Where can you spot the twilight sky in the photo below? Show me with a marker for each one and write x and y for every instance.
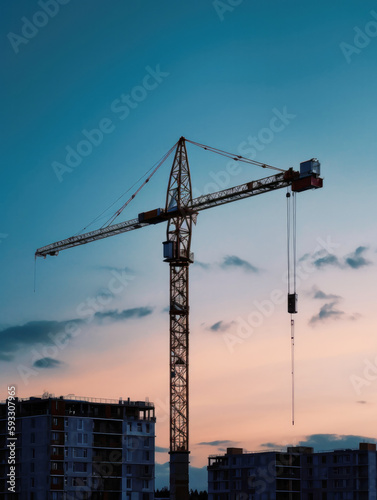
(94, 94)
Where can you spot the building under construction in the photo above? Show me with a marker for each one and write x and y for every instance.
(70, 448)
(298, 473)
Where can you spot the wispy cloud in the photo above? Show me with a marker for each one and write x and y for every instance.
(217, 443)
(18, 338)
(318, 294)
(160, 449)
(15, 338)
(220, 326)
(327, 311)
(356, 259)
(116, 269)
(231, 261)
(47, 363)
(326, 442)
(324, 259)
(203, 265)
(137, 312)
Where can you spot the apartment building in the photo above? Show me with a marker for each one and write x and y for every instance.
(70, 448)
(297, 473)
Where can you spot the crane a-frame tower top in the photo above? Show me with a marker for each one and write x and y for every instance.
(180, 212)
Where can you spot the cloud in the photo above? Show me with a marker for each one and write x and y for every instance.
(203, 265)
(326, 442)
(220, 326)
(47, 363)
(356, 260)
(234, 261)
(137, 312)
(318, 294)
(116, 269)
(326, 260)
(272, 446)
(17, 338)
(323, 259)
(217, 443)
(160, 449)
(327, 311)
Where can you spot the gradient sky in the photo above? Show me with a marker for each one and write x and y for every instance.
(216, 72)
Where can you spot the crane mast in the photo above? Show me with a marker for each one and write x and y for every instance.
(177, 253)
(180, 213)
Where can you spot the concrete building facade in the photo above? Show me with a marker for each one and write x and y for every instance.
(70, 448)
(298, 473)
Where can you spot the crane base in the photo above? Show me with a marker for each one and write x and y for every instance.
(179, 475)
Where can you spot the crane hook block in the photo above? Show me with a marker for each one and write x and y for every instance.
(292, 303)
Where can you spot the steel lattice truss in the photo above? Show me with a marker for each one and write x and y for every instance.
(179, 234)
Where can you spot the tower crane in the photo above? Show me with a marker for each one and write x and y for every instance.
(180, 213)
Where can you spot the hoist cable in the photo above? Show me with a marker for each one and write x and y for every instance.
(294, 241)
(293, 367)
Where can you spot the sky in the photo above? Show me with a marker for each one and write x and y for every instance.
(94, 94)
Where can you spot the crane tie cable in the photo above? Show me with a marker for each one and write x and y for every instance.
(235, 157)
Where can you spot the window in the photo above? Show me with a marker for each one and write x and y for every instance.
(129, 484)
(79, 423)
(146, 442)
(66, 421)
(32, 437)
(128, 470)
(55, 421)
(129, 425)
(145, 484)
(146, 455)
(33, 453)
(82, 438)
(55, 480)
(139, 427)
(66, 452)
(33, 423)
(31, 466)
(147, 428)
(32, 482)
(79, 481)
(80, 452)
(54, 465)
(79, 466)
